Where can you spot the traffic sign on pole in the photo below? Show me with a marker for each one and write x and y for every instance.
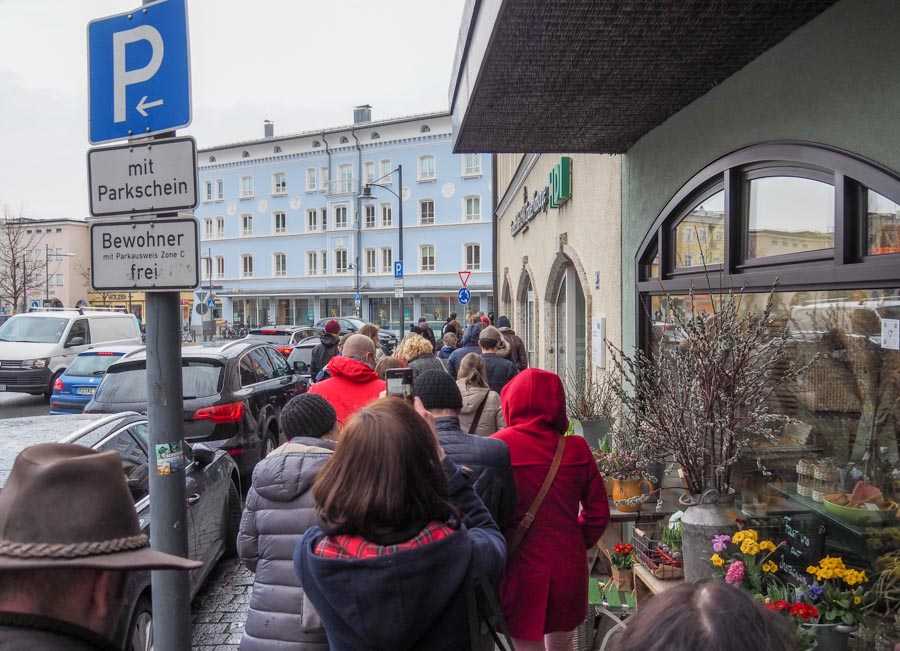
(154, 177)
(464, 277)
(398, 268)
(463, 295)
(139, 72)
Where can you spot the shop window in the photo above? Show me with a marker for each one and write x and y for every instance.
(882, 225)
(789, 214)
(696, 241)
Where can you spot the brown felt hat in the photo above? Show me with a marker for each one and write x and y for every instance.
(67, 505)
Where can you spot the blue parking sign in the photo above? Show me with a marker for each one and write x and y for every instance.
(139, 72)
(398, 269)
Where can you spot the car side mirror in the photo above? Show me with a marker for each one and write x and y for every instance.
(75, 341)
(203, 454)
(301, 368)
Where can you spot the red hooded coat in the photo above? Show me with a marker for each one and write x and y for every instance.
(351, 387)
(545, 585)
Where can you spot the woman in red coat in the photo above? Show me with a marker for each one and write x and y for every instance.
(544, 590)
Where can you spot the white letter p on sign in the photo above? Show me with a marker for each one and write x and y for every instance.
(123, 78)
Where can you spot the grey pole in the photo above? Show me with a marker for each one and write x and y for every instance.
(46, 274)
(168, 517)
(400, 244)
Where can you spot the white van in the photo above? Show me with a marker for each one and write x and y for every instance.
(36, 347)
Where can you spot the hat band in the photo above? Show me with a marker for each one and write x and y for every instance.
(71, 550)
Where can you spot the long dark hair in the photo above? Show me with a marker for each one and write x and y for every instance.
(711, 616)
(385, 482)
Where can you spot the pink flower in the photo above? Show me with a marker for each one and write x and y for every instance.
(720, 543)
(735, 573)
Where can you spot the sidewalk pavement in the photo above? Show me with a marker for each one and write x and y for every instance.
(220, 609)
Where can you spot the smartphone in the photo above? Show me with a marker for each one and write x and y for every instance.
(400, 383)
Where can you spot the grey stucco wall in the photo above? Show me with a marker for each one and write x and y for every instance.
(834, 81)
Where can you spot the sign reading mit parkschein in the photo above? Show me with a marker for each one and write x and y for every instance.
(160, 254)
(153, 177)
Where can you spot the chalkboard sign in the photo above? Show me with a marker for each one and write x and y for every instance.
(804, 538)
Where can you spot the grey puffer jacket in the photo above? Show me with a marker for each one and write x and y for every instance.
(280, 508)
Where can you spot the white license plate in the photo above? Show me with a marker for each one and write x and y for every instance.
(2, 387)
(85, 391)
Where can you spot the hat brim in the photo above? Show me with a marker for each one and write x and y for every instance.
(135, 559)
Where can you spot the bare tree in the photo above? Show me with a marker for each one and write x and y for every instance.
(21, 267)
(84, 271)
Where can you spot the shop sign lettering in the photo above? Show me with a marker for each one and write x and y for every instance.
(556, 193)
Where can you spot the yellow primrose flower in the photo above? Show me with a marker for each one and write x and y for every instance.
(767, 546)
(812, 569)
(749, 547)
(826, 574)
(738, 537)
(751, 534)
(857, 600)
(769, 567)
(717, 560)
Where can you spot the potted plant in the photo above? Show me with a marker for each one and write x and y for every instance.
(622, 560)
(702, 398)
(841, 599)
(745, 561)
(591, 403)
(624, 482)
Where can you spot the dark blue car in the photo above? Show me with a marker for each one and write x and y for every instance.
(75, 388)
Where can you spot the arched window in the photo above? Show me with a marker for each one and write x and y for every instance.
(527, 314)
(212, 159)
(276, 149)
(375, 135)
(822, 227)
(569, 342)
(425, 128)
(245, 154)
(316, 144)
(344, 140)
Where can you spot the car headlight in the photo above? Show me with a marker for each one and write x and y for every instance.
(35, 363)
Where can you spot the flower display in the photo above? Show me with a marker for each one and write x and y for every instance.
(720, 543)
(749, 547)
(804, 611)
(623, 556)
(838, 590)
(769, 567)
(744, 534)
(735, 573)
(717, 560)
(778, 606)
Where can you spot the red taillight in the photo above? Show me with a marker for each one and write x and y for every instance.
(235, 452)
(233, 412)
(105, 353)
(269, 332)
(58, 385)
(285, 350)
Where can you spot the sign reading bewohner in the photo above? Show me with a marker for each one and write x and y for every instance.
(151, 177)
(160, 254)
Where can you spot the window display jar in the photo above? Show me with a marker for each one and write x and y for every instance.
(825, 480)
(805, 477)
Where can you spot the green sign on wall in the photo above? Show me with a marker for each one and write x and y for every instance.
(561, 182)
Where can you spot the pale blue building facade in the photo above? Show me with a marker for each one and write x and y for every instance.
(288, 235)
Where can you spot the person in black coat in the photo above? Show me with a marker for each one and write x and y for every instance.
(487, 459)
(328, 348)
(425, 330)
(499, 369)
(469, 344)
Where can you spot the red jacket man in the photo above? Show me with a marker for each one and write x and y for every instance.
(353, 383)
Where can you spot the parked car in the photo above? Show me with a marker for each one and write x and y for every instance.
(74, 389)
(283, 337)
(302, 354)
(212, 481)
(351, 324)
(233, 395)
(37, 347)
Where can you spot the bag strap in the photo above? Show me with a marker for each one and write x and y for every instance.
(478, 412)
(519, 534)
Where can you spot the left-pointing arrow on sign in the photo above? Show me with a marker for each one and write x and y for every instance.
(144, 104)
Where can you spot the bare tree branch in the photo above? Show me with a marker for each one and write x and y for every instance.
(21, 263)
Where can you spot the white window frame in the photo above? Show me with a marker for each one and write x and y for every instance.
(467, 265)
(324, 179)
(220, 228)
(312, 174)
(275, 228)
(246, 218)
(370, 207)
(279, 186)
(247, 192)
(323, 255)
(208, 228)
(275, 259)
(312, 263)
(336, 210)
(465, 206)
(369, 171)
(471, 171)
(220, 266)
(345, 178)
(312, 225)
(209, 191)
(390, 214)
(422, 203)
(387, 260)
(386, 176)
(371, 261)
(338, 253)
(423, 267)
(420, 176)
(244, 258)
(220, 189)
(205, 268)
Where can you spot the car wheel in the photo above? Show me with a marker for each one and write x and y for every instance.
(53, 380)
(233, 512)
(140, 631)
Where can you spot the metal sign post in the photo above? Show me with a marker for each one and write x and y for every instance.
(139, 79)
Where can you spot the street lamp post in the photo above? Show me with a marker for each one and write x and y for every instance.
(367, 194)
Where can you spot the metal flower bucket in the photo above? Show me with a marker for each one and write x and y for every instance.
(706, 515)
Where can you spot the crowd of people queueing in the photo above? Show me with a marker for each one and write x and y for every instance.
(375, 525)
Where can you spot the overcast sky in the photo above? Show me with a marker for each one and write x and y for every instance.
(302, 63)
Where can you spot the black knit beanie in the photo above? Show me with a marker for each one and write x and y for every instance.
(437, 390)
(307, 415)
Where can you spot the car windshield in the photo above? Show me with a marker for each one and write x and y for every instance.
(356, 323)
(32, 330)
(88, 365)
(271, 336)
(128, 384)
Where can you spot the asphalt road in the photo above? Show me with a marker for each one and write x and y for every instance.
(13, 405)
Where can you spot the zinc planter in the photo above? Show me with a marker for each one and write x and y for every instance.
(831, 637)
(706, 516)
